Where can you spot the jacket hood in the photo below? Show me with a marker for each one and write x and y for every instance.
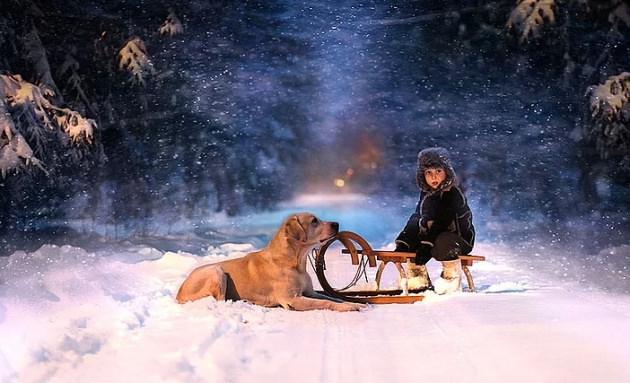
(434, 158)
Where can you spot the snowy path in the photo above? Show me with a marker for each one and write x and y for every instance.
(68, 315)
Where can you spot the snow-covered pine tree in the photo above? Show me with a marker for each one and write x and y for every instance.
(27, 115)
(530, 16)
(133, 57)
(171, 26)
(590, 38)
(608, 124)
(528, 19)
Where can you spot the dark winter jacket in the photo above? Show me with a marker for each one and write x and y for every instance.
(445, 206)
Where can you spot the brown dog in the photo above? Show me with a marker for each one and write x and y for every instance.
(273, 276)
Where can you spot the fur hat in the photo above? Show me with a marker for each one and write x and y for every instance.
(435, 158)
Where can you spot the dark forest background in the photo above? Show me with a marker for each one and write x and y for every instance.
(254, 101)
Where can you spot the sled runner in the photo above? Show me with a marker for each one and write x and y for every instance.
(362, 255)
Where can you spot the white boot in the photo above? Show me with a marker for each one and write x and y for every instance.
(451, 278)
(417, 277)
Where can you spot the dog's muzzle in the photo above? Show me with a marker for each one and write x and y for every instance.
(335, 227)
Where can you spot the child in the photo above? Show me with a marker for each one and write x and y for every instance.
(441, 226)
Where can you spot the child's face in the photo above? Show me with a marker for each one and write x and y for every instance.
(434, 177)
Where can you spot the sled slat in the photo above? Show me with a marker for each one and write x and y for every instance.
(367, 293)
(399, 299)
(400, 256)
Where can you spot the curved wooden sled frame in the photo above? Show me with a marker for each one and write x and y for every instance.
(348, 239)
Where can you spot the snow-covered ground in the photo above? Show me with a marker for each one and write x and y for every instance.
(72, 315)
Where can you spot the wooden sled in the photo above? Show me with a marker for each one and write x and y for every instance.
(364, 256)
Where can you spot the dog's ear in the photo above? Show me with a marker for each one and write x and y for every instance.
(295, 230)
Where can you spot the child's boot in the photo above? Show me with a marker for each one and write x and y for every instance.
(417, 277)
(450, 279)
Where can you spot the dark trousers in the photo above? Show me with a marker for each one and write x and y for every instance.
(447, 247)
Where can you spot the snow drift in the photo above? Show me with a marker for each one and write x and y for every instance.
(71, 315)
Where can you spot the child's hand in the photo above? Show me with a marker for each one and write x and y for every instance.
(423, 254)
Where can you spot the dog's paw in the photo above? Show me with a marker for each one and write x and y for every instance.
(349, 306)
(352, 307)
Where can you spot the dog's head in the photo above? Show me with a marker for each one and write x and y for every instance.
(306, 229)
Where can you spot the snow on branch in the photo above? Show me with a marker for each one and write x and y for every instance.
(25, 108)
(529, 17)
(610, 117)
(133, 57)
(13, 146)
(13, 151)
(75, 125)
(19, 93)
(171, 26)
